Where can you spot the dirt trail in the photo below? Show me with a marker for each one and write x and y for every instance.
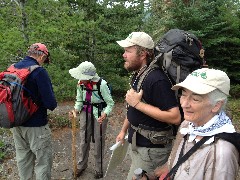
(62, 148)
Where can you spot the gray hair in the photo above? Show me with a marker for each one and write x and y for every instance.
(35, 53)
(216, 96)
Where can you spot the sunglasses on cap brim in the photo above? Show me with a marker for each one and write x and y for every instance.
(47, 60)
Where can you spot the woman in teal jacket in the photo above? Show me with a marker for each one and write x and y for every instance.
(94, 109)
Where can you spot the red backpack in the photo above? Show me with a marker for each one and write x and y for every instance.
(16, 106)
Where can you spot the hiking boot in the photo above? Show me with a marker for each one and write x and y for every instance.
(98, 175)
(79, 172)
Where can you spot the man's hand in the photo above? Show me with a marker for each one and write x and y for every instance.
(120, 137)
(133, 98)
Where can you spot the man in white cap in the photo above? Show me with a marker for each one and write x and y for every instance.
(33, 138)
(94, 109)
(203, 99)
(150, 116)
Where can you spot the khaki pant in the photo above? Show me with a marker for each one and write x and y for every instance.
(147, 159)
(85, 147)
(33, 152)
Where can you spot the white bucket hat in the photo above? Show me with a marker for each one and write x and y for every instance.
(137, 38)
(85, 71)
(203, 81)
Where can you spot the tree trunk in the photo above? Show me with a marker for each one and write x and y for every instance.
(24, 21)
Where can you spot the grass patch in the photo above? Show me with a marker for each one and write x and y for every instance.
(234, 107)
(2, 153)
(58, 121)
(2, 146)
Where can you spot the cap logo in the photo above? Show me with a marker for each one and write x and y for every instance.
(89, 73)
(130, 36)
(203, 75)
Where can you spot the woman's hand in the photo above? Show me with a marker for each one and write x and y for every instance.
(161, 172)
(102, 117)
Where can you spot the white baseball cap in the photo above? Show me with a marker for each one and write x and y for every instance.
(85, 71)
(137, 38)
(203, 81)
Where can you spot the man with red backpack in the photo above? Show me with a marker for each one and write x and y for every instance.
(33, 138)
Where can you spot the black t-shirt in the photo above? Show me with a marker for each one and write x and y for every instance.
(157, 92)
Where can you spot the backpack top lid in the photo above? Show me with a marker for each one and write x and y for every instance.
(177, 37)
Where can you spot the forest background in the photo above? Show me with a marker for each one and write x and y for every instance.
(87, 30)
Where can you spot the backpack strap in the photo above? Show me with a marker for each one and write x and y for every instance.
(98, 88)
(160, 136)
(24, 77)
(182, 159)
(152, 66)
(233, 138)
(100, 107)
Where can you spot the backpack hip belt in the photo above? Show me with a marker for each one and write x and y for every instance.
(97, 105)
(162, 137)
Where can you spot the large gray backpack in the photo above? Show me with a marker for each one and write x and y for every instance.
(178, 53)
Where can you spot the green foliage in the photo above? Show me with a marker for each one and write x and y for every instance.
(79, 30)
(2, 153)
(2, 146)
(216, 23)
(235, 91)
(64, 85)
(58, 121)
(234, 105)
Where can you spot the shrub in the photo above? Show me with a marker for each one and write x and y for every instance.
(235, 91)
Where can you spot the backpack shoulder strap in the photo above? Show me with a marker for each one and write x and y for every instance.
(98, 88)
(33, 67)
(187, 155)
(233, 138)
(143, 76)
(23, 72)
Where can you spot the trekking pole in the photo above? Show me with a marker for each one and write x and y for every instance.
(101, 148)
(74, 145)
(101, 140)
